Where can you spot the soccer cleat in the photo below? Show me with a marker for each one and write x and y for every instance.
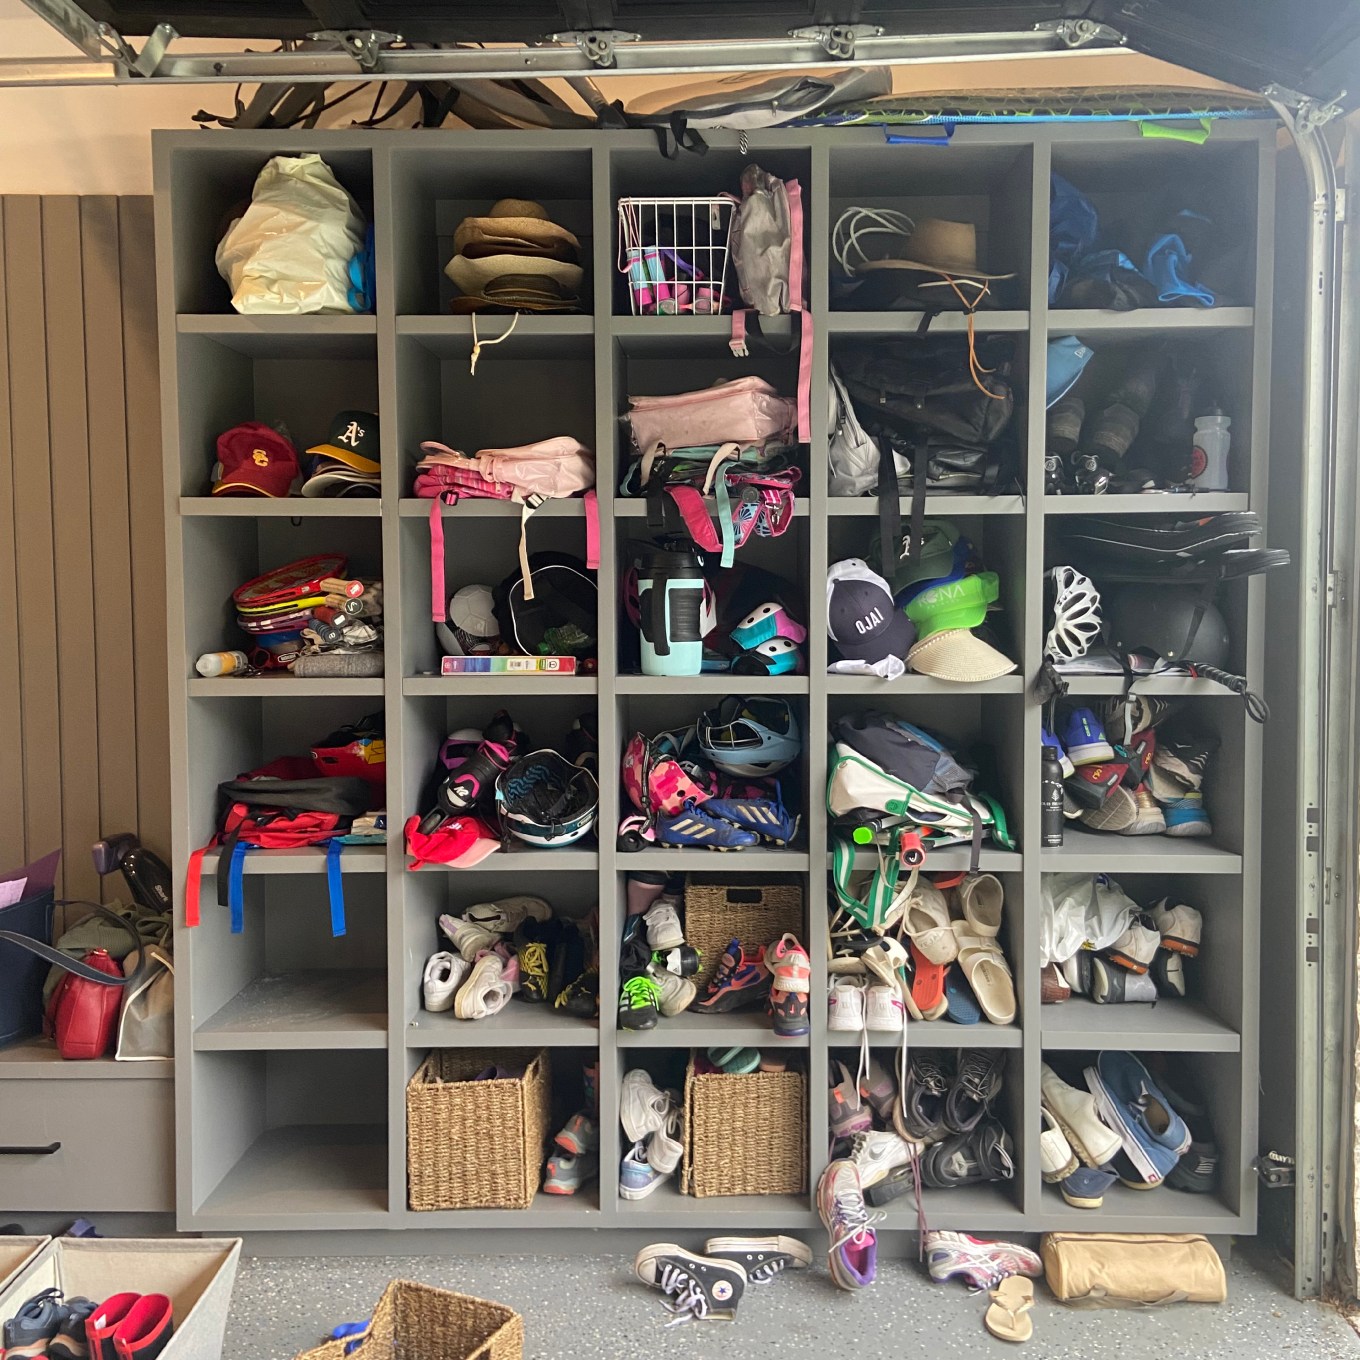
(675, 993)
(693, 826)
(533, 970)
(467, 937)
(1180, 927)
(852, 1246)
(1187, 817)
(698, 1287)
(789, 965)
(637, 1176)
(981, 1264)
(879, 1087)
(789, 1013)
(1084, 740)
(643, 1108)
(568, 1173)
(876, 1155)
(490, 984)
(566, 957)
(663, 925)
(766, 818)
(762, 1258)
(444, 974)
(737, 983)
(639, 1002)
(683, 962)
(581, 997)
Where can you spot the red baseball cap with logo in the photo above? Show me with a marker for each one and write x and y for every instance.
(255, 460)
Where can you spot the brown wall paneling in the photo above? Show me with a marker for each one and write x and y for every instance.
(81, 539)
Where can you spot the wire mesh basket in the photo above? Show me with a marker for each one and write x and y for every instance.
(673, 254)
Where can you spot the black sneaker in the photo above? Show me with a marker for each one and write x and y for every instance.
(566, 959)
(920, 1112)
(70, 1342)
(697, 1286)
(581, 997)
(33, 1326)
(639, 1002)
(974, 1088)
(762, 1258)
(900, 1181)
(985, 1154)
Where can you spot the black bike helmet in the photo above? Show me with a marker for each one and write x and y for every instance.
(1176, 622)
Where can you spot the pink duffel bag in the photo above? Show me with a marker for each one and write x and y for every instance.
(744, 411)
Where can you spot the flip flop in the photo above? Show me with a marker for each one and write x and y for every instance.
(962, 1008)
(926, 921)
(988, 974)
(927, 988)
(739, 1060)
(980, 900)
(1007, 1317)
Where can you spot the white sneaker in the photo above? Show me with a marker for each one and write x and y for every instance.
(642, 1107)
(506, 914)
(845, 1004)
(663, 925)
(878, 1154)
(467, 937)
(1135, 948)
(486, 990)
(1057, 1161)
(1180, 927)
(444, 974)
(885, 1012)
(677, 993)
(665, 1149)
(1074, 1112)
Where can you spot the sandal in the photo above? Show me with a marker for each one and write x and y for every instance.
(988, 974)
(980, 900)
(1007, 1317)
(927, 988)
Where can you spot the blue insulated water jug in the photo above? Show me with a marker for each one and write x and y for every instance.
(670, 600)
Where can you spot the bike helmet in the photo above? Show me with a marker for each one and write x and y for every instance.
(778, 656)
(1178, 623)
(953, 604)
(753, 737)
(1076, 615)
(545, 800)
(765, 623)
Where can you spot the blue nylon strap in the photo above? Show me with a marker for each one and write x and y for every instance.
(335, 886)
(236, 887)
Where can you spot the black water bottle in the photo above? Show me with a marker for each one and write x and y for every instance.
(1051, 798)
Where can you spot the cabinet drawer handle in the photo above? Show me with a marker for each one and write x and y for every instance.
(34, 1151)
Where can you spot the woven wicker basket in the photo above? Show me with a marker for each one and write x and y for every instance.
(476, 1144)
(756, 914)
(745, 1133)
(418, 1322)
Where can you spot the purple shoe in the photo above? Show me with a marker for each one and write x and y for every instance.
(852, 1253)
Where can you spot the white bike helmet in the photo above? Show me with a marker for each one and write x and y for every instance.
(753, 737)
(1076, 615)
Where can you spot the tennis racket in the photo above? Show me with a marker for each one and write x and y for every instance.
(295, 581)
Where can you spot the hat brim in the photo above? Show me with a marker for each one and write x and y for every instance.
(347, 456)
(893, 639)
(513, 302)
(531, 231)
(472, 276)
(251, 489)
(954, 269)
(959, 656)
(322, 482)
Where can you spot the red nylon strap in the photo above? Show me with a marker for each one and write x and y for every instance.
(592, 531)
(193, 884)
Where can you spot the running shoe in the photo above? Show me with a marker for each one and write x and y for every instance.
(852, 1247)
(981, 1264)
(1084, 740)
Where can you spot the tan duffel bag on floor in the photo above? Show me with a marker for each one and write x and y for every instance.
(1119, 1269)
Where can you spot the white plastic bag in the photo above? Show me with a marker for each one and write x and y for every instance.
(1081, 909)
(289, 252)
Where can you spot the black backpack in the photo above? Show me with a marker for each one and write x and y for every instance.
(561, 618)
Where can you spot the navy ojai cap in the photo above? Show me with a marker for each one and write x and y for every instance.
(861, 617)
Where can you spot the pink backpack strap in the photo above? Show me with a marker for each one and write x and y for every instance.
(592, 531)
(690, 503)
(737, 344)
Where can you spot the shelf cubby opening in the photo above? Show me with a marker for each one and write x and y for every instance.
(1138, 191)
(213, 185)
(435, 188)
(286, 982)
(290, 1137)
(987, 187)
(295, 383)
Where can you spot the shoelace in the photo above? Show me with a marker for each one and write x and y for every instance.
(853, 1221)
(533, 961)
(690, 1301)
(765, 1271)
(639, 992)
(975, 1075)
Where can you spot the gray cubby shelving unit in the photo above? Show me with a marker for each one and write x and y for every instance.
(294, 1048)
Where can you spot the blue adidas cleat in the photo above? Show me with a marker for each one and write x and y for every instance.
(766, 817)
(696, 826)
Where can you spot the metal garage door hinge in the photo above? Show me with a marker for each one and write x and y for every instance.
(837, 40)
(596, 44)
(1275, 1170)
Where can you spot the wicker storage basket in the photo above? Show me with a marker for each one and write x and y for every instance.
(745, 1133)
(756, 914)
(417, 1322)
(476, 1144)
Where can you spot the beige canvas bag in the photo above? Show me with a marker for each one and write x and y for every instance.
(1115, 1270)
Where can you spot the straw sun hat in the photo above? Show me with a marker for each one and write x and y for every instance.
(514, 239)
(939, 247)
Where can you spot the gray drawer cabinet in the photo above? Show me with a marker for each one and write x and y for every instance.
(85, 1137)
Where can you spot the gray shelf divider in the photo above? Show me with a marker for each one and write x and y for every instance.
(257, 1149)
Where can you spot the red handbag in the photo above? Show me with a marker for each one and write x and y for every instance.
(82, 1016)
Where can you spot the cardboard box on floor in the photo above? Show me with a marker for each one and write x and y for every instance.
(197, 1273)
(15, 1253)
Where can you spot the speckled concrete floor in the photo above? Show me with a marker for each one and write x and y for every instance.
(589, 1307)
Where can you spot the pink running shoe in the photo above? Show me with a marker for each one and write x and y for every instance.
(982, 1264)
(788, 961)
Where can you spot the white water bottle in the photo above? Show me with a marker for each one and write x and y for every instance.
(214, 664)
(1209, 457)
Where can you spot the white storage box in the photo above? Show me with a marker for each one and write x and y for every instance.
(15, 1253)
(198, 1274)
